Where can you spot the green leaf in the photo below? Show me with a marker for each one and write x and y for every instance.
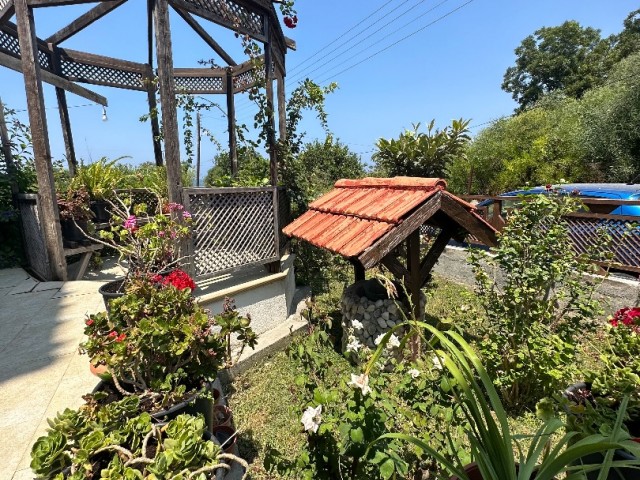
(387, 469)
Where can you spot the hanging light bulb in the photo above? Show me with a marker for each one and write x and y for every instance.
(104, 114)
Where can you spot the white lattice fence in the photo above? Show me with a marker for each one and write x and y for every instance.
(232, 227)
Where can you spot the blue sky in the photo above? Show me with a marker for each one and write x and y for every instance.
(396, 62)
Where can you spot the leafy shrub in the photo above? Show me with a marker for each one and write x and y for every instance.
(539, 306)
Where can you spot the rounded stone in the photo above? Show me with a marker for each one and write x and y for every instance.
(371, 308)
(385, 315)
(382, 323)
(379, 303)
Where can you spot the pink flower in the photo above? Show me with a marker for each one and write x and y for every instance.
(186, 214)
(130, 223)
(112, 334)
(89, 322)
(161, 233)
(174, 206)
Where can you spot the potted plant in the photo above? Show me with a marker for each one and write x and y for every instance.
(148, 242)
(493, 446)
(100, 179)
(117, 441)
(159, 343)
(75, 214)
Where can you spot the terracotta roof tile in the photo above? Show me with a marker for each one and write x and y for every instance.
(357, 213)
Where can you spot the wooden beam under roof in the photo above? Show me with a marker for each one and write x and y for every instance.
(215, 46)
(208, 15)
(57, 3)
(16, 64)
(83, 21)
(6, 12)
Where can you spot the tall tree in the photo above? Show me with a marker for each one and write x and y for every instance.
(568, 57)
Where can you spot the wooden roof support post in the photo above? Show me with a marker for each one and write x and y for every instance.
(432, 256)
(282, 108)
(65, 121)
(358, 270)
(231, 123)
(168, 99)
(40, 138)
(271, 127)
(167, 90)
(153, 119)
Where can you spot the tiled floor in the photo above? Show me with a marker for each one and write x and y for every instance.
(41, 371)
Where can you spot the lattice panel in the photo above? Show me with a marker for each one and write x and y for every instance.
(9, 44)
(82, 72)
(245, 80)
(232, 229)
(34, 247)
(200, 84)
(232, 12)
(3, 3)
(138, 196)
(625, 244)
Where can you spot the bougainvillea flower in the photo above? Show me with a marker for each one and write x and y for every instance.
(130, 223)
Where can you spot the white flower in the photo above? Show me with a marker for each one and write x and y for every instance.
(361, 382)
(357, 324)
(353, 345)
(393, 342)
(414, 373)
(379, 339)
(311, 418)
(438, 362)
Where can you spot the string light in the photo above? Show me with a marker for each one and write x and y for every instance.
(104, 114)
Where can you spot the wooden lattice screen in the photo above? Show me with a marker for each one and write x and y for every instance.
(35, 249)
(233, 227)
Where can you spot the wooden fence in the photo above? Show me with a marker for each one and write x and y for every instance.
(584, 227)
(235, 227)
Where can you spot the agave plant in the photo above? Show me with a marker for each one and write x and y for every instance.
(494, 448)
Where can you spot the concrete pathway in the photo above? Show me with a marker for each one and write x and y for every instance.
(41, 371)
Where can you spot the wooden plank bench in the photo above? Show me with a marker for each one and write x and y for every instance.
(86, 253)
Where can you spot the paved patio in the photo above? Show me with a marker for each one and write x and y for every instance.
(41, 371)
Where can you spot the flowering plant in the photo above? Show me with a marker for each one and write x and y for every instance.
(156, 338)
(620, 356)
(148, 241)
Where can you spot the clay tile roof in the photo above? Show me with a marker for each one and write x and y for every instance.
(356, 213)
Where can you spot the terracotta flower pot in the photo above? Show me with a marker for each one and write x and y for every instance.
(100, 371)
(222, 416)
(226, 436)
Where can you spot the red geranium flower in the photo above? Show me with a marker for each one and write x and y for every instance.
(112, 334)
(89, 322)
(179, 279)
(121, 337)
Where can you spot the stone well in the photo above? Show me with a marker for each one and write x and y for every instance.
(367, 303)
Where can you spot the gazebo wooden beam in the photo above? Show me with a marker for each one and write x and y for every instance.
(83, 21)
(231, 124)
(48, 77)
(7, 12)
(40, 140)
(389, 241)
(215, 46)
(207, 15)
(395, 267)
(58, 3)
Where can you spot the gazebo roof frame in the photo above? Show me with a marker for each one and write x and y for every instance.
(44, 60)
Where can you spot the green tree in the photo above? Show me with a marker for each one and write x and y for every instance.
(253, 170)
(568, 57)
(534, 147)
(422, 154)
(628, 41)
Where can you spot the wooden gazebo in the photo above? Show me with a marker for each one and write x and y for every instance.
(368, 220)
(44, 60)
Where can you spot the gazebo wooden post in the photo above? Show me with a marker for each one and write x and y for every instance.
(282, 108)
(273, 267)
(63, 109)
(168, 99)
(153, 118)
(231, 123)
(40, 138)
(151, 90)
(169, 116)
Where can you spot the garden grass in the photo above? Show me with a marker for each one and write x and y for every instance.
(267, 403)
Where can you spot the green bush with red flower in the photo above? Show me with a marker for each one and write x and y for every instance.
(150, 242)
(156, 338)
(620, 357)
